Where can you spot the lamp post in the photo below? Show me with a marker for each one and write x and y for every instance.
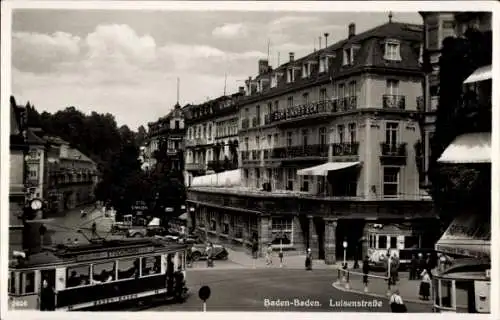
(344, 244)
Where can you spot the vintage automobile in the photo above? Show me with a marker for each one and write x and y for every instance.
(198, 249)
(152, 229)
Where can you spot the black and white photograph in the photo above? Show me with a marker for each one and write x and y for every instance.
(250, 158)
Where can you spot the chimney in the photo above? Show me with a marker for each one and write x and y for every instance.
(326, 39)
(352, 30)
(292, 56)
(263, 66)
(241, 90)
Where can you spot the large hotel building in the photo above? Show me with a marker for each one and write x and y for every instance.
(329, 151)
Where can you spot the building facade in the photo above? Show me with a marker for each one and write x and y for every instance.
(328, 143)
(17, 199)
(168, 130)
(212, 136)
(36, 165)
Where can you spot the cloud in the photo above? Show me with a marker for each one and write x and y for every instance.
(42, 52)
(230, 30)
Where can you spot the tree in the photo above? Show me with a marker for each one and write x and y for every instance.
(141, 135)
(459, 187)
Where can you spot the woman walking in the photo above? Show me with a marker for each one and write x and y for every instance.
(425, 285)
(309, 259)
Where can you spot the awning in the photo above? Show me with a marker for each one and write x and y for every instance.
(323, 169)
(469, 148)
(481, 74)
(468, 235)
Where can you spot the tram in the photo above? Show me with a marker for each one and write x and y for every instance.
(97, 275)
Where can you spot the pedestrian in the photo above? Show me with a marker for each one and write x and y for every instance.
(309, 259)
(425, 286)
(429, 264)
(209, 252)
(413, 268)
(269, 254)
(395, 268)
(366, 269)
(396, 302)
(47, 297)
(420, 263)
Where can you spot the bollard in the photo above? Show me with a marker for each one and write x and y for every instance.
(347, 284)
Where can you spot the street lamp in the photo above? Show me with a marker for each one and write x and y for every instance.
(344, 244)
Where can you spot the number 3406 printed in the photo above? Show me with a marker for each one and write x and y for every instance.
(19, 303)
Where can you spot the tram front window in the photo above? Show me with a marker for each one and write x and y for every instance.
(103, 272)
(151, 265)
(444, 295)
(27, 282)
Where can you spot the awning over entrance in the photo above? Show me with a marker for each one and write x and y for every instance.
(481, 74)
(323, 169)
(469, 148)
(468, 235)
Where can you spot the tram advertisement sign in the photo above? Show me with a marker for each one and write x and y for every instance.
(114, 253)
(115, 299)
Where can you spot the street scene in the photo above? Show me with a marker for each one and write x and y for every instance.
(294, 162)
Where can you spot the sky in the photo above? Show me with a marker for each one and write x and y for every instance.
(127, 62)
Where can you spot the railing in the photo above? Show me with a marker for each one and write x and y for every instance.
(345, 149)
(391, 101)
(196, 142)
(245, 124)
(302, 111)
(393, 149)
(194, 166)
(317, 150)
(345, 104)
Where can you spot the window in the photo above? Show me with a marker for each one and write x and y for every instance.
(290, 175)
(448, 29)
(128, 268)
(12, 282)
(289, 101)
(433, 37)
(204, 131)
(282, 231)
(391, 133)
(382, 242)
(305, 70)
(392, 50)
(276, 139)
(246, 143)
(305, 98)
(322, 136)
(150, 266)
(269, 174)
(392, 87)
(257, 142)
(353, 89)
(347, 57)
(322, 94)
(340, 132)
(274, 80)
(276, 105)
(391, 181)
(290, 75)
(269, 140)
(352, 132)
(78, 276)
(394, 243)
(210, 131)
(305, 137)
(305, 183)
(412, 242)
(257, 177)
(177, 124)
(103, 272)
(289, 139)
(27, 282)
(257, 111)
(245, 173)
(341, 92)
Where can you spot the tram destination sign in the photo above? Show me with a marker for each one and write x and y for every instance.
(114, 253)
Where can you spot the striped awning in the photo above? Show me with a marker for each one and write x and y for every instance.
(323, 169)
(481, 74)
(468, 148)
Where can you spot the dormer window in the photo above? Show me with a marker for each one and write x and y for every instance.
(290, 75)
(306, 70)
(349, 55)
(392, 50)
(274, 80)
(324, 62)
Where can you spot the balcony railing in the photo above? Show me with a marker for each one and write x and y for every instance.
(345, 149)
(302, 111)
(317, 150)
(194, 167)
(245, 124)
(196, 142)
(345, 104)
(391, 101)
(393, 149)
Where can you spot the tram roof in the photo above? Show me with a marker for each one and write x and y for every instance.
(62, 254)
(466, 268)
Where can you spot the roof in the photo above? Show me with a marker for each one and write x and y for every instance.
(32, 138)
(75, 154)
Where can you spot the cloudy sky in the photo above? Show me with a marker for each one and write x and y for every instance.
(127, 62)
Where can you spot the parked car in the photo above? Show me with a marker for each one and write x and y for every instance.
(198, 249)
(151, 230)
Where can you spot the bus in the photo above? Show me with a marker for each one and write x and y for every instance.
(97, 275)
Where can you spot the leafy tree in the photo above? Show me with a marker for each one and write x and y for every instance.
(460, 187)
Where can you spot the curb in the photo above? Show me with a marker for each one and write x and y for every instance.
(376, 295)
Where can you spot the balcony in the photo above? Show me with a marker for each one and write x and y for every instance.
(345, 104)
(297, 152)
(250, 157)
(194, 167)
(221, 165)
(196, 142)
(245, 124)
(393, 153)
(395, 102)
(345, 149)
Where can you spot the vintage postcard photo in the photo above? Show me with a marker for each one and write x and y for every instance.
(247, 160)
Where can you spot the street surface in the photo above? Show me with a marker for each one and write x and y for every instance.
(243, 289)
